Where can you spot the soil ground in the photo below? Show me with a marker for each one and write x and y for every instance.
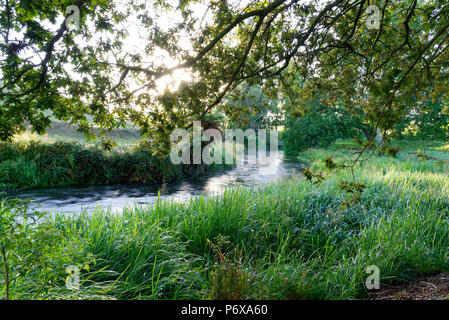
(435, 287)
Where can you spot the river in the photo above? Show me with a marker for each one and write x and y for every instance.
(73, 199)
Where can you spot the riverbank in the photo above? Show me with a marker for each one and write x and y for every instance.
(115, 197)
(37, 164)
(289, 240)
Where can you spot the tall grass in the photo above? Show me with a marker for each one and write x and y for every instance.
(289, 240)
(31, 164)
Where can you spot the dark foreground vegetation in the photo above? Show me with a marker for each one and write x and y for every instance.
(290, 240)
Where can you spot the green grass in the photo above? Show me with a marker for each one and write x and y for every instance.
(290, 240)
(345, 150)
(63, 157)
(36, 164)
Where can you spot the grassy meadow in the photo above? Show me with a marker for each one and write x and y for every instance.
(289, 240)
(60, 131)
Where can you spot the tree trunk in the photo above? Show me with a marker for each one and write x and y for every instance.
(379, 141)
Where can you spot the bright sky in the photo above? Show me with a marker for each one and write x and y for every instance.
(165, 20)
(136, 40)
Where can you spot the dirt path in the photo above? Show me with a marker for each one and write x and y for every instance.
(434, 287)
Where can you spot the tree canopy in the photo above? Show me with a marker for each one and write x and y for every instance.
(104, 69)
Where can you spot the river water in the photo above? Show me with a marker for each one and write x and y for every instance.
(73, 199)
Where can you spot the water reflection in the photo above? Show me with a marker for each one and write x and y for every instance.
(246, 173)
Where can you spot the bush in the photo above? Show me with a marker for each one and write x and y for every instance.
(36, 164)
(428, 123)
(319, 127)
(34, 254)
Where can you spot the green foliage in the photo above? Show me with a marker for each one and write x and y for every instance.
(351, 187)
(420, 154)
(330, 164)
(37, 164)
(289, 240)
(70, 74)
(136, 256)
(286, 240)
(34, 254)
(248, 107)
(310, 176)
(426, 121)
(355, 189)
(229, 279)
(391, 151)
(385, 147)
(446, 148)
(317, 126)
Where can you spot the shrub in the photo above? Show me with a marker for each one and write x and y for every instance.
(34, 254)
(429, 123)
(36, 164)
(318, 127)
